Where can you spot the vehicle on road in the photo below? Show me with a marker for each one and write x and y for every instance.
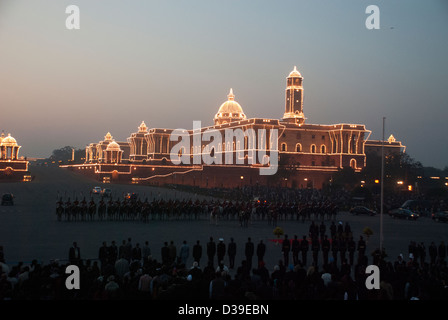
(131, 196)
(106, 193)
(420, 207)
(96, 190)
(440, 216)
(7, 199)
(402, 213)
(362, 210)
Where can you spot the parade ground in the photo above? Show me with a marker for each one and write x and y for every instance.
(30, 229)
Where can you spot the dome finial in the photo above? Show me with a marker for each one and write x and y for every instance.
(295, 73)
(231, 96)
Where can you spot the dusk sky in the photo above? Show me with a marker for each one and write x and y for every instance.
(170, 62)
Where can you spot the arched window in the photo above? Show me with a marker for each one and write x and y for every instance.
(313, 148)
(298, 147)
(323, 149)
(283, 146)
(353, 163)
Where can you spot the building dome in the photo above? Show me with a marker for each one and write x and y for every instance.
(113, 146)
(229, 111)
(295, 73)
(9, 141)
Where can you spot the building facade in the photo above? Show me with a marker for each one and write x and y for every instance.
(391, 147)
(12, 167)
(235, 149)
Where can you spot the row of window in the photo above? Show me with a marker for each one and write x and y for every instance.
(299, 136)
(283, 148)
(313, 148)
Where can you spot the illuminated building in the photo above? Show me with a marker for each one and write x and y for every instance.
(391, 147)
(308, 154)
(294, 98)
(138, 144)
(97, 152)
(229, 111)
(11, 166)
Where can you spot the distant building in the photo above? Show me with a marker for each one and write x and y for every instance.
(12, 167)
(108, 151)
(391, 147)
(307, 154)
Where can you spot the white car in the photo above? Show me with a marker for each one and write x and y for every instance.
(96, 190)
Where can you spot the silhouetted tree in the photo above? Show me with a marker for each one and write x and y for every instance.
(397, 167)
(346, 178)
(64, 155)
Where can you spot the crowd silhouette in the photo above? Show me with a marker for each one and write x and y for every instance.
(208, 270)
(327, 263)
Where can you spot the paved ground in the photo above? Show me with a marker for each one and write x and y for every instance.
(30, 230)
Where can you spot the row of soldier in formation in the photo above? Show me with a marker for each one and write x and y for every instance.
(215, 210)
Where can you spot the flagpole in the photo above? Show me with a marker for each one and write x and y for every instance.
(382, 189)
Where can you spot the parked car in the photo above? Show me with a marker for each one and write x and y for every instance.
(131, 196)
(96, 190)
(362, 210)
(106, 193)
(7, 199)
(403, 214)
(440, 216)
(421, 207)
